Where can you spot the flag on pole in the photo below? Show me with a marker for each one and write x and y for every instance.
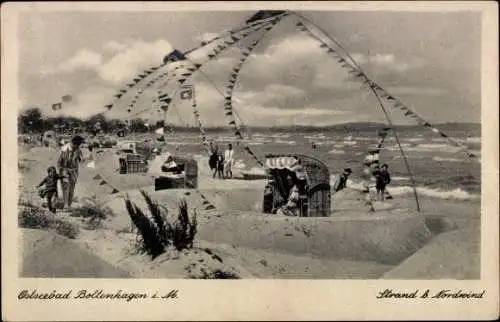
(186, 93)
(56, 106)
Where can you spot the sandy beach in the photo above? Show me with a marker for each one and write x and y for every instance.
(395, 242)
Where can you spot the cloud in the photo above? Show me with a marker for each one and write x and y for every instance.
(401, 90)
(134, 58)
(83, 59)
(207, 36)
(276, 95)
(392, 63)
(114, 46)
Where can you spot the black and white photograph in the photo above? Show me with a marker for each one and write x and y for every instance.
(250, 144)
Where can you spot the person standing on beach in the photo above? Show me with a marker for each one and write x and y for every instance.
(341, 180)
(228, 161)
(382, 180)
(68, 164)
(213, 159)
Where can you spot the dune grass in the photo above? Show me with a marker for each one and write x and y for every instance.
(35, 217)
(156, 233)
(93, 213)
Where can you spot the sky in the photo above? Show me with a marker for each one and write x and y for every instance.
(430, 61)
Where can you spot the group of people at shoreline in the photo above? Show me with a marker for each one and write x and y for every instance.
(376, 177)
(221, 163)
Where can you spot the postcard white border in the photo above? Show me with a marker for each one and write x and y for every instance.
(254, 299)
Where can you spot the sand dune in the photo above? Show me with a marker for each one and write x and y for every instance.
(46, 254)
(242, 241)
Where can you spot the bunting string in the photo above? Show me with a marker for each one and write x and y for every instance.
(233, 78)
(154, 70)
(167, 98)
(395, 103)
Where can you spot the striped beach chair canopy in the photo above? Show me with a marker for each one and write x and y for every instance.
(305, 167)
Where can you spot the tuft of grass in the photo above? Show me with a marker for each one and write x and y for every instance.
(216, 274)
(34, 217)
(156, 233)
(93, 213)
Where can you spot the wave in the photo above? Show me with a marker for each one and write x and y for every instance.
(425, 148)
(239, 164)
(454, 194)
(414, 139)
(285, 142)
(396, 178)
(439, 159)
(350, 142)
(334, 151)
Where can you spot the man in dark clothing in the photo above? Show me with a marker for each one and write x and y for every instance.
(383, 178)
(341, 180)
(50, 189)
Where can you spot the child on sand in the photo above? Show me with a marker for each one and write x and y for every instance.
(50, 189)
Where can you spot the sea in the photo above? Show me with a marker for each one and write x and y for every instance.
(439, 169)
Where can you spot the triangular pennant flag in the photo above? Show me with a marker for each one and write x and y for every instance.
(197, 65)
(108, 106)
(407, 113)
(103, 182)
(210, 207)
(182, 80)
(237, 133)
(229, 113)
(234, 38)
(118, 95)
(186, 74)
(443, 135)
(97, 177)
(130, 84)
(114, 191)
(330, 50)
(232, 123)
(211, 56)
(323, 45)
(389, 97)
(137, 80)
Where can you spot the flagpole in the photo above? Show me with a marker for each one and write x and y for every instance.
(389, 121)
(407, 164)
